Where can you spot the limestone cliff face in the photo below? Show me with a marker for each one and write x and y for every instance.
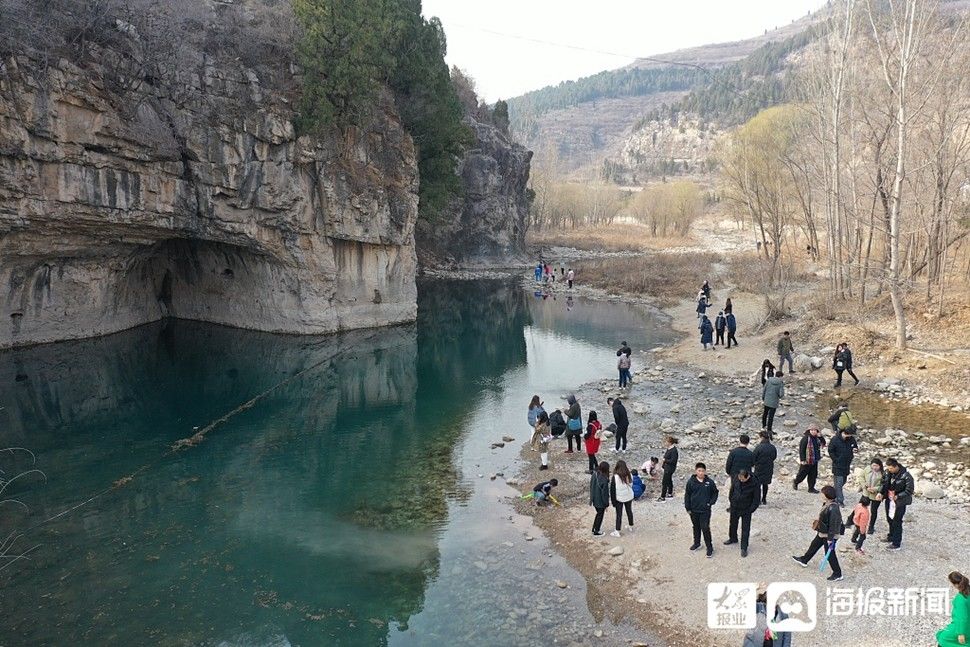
(490, 223)
(204, 206)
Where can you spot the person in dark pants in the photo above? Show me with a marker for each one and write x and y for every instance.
(744, 501)
(574, 424)
(827, 528)
(621, 495)
(765, 455)
(740, 458)
(809, 455)
(700, 495)
(669, 466)
(872, 485)
(842, 451)
(720, 324)
(786, 351)
(592, 439)
(900, 495)
(622, 422)
(767, 370)
(599, 495)
(732, 327)
(843, 362)
(771, 394)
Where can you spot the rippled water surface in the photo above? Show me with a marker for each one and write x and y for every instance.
(338, 503)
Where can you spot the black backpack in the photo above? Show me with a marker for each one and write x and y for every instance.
(557, 423)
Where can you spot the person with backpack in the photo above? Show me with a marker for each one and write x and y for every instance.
(623, 364)
(765, 455)
(809, 455)
(842, 451)
(541, 437)
(732, 327)
(592, 437)
(771, 394)
(574, 424)
(720, 324)
(707, 332)
(744, 501)
(622, 423)
(841, 418)
(786, 350)
(599, 495)
(621, 495)
(871, 485)
(669, 466)
(900, 494)
(842, 361)
(700, 495)
(828, 527)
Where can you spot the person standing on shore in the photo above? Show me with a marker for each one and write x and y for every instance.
(827, 528)
(728, 306)
(786, 350)
(535, 408)
(720, 323)
(732, 327)
(900, 494)
(764, 463)
(624, 349)
(701, 304)
(707, 332)
(622, 423)
(843, 362)
(771, 394)
(599, 495)
(541, 438)
(744, 501)
(623, 365)
(538, 272)
(809, 455)
(871, 485)
(592, 438)
(574, 424)
(842, 450)
(669, 466)
(739, 459)
(570, 275)
(621, 494)
(700, 495)
(860, 519)
(957, 633)
(706, 291)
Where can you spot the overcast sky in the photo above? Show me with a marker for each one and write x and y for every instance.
(494, 40)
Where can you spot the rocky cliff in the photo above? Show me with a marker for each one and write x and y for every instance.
(488, 225)
(206, 206)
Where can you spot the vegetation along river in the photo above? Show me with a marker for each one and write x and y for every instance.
(344, 499)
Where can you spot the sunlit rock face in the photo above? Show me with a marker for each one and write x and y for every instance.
(115, 212)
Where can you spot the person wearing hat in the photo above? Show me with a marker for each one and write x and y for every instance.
(809, 455)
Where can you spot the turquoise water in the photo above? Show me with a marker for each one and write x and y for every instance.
(338, 503)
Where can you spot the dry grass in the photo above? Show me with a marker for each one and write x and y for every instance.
(611, 238)
(667, 277)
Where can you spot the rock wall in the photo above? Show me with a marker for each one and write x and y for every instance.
(489, 224)
(116, 212)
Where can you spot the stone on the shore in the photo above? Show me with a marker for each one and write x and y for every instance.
(803, 363)
(640, 408)
(560, 584)
(508, 439)
(667, 423)
(933, 491)
(616, 551)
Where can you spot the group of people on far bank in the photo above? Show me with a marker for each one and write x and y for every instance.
(712, 334)
(544, 273)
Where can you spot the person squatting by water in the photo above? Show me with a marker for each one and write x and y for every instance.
(622, 422)
(621, 495)
(700, 495)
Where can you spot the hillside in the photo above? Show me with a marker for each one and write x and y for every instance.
(576, 125)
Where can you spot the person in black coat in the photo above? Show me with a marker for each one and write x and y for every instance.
(899, 491)
(700, 495)
(669, 466)
(809, 455)
(764, 463)
(739, 458)
(767, 370)
(720, 324)
(744, 501)
(842, 361)
(828, 527)
(599, 495)
(622, 422)
(842, 450)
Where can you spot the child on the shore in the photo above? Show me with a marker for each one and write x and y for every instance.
(637, 485)
(860, 519)
(543, 491)
(651, 468)
(592, 437)
(541, 438)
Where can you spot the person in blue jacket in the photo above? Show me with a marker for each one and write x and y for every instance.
(707, 332)
(732, 327)
(637, 485)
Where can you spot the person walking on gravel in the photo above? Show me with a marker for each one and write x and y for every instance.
(720, 325)
(765, 455)
(809, 455)
(842, 362)
(842, 451)
(771, 394)
(871, 485)
(732, 327)
(786, 350)
(700, 495)
(669, 466)
(827, 529)
(744, 501)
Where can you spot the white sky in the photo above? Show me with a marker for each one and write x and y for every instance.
(504, 66)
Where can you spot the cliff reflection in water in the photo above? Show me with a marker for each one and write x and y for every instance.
(312, 514)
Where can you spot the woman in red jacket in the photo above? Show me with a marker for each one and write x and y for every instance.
(592, 438)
